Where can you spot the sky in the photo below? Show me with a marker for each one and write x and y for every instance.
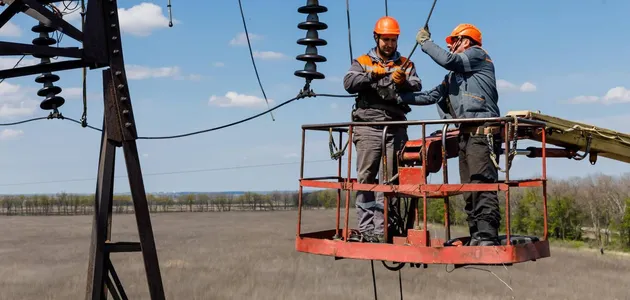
(564, 58)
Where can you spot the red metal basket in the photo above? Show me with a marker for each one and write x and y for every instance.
(416, 161)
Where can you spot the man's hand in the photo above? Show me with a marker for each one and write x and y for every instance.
(399, 77)
(423, 35)
(377, 73)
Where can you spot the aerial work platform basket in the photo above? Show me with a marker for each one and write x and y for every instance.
(417, 159)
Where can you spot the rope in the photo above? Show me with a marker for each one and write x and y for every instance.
(386, 10)
(251, 54)
(595, 130)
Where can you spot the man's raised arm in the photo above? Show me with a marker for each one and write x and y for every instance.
(470, 60)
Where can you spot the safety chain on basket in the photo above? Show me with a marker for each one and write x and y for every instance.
(335, 153)
(512, 153)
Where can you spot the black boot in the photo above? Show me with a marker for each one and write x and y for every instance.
(486, 235)
(472, 229)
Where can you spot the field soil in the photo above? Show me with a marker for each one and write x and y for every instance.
(250, 255)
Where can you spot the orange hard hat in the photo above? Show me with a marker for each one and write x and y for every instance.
(387, 25)
(467, 30)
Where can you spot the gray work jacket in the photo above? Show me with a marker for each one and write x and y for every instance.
(470, 85)
(358, 80)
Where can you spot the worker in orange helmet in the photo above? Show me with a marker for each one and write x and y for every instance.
(377, 77)
(469, 90)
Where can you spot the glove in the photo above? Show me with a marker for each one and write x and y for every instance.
(377, 73)
(423, 35)
(399, 77)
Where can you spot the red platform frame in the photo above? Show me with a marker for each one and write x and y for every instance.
(418, 247)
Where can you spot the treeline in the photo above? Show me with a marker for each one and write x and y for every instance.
(593, 209)
(73, 204)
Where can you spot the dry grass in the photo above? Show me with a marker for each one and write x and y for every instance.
(250, 255)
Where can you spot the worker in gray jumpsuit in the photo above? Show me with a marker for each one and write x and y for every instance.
(377, 77)
(468, 91)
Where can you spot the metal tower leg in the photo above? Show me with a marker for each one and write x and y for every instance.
(100, 265)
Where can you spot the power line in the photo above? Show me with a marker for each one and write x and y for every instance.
(349, 31)
(169, 172)
(251, 54)
(190, 133)
(23, 121)
(218, 127)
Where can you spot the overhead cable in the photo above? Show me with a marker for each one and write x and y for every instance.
(349, 31)
(194, 132)
(251, 54)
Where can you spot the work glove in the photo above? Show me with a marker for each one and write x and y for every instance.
(399, 77)
(377, 73)
(423, 35)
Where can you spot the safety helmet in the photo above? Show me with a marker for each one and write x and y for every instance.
(387, 25)
(467, 30)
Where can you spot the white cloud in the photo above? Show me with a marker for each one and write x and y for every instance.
(73, 92)
(268, 55)
(17, 101)
(334, 105)
(583, 99)
(138, 20)
(75, 15)
(618, 94)
(241, 39)
(528, 87)
(234, 99)
(8, 134)
(506, 86)
(136, 72)
(77, 93)
(615, 95)
(10, 30)
(218, 64)
(142, 19)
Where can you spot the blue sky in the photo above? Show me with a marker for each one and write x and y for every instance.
(560, 57)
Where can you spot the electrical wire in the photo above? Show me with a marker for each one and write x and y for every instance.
(251, 54)
(190, 133)
(218, 127)
(349, 31)
(23, 121)
(15, 66)
(169, 172)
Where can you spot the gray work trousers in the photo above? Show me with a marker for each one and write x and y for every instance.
(476, 166)
(368, 143)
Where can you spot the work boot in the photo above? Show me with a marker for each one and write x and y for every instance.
(484, 239)
(374, 238)
(356, 236)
